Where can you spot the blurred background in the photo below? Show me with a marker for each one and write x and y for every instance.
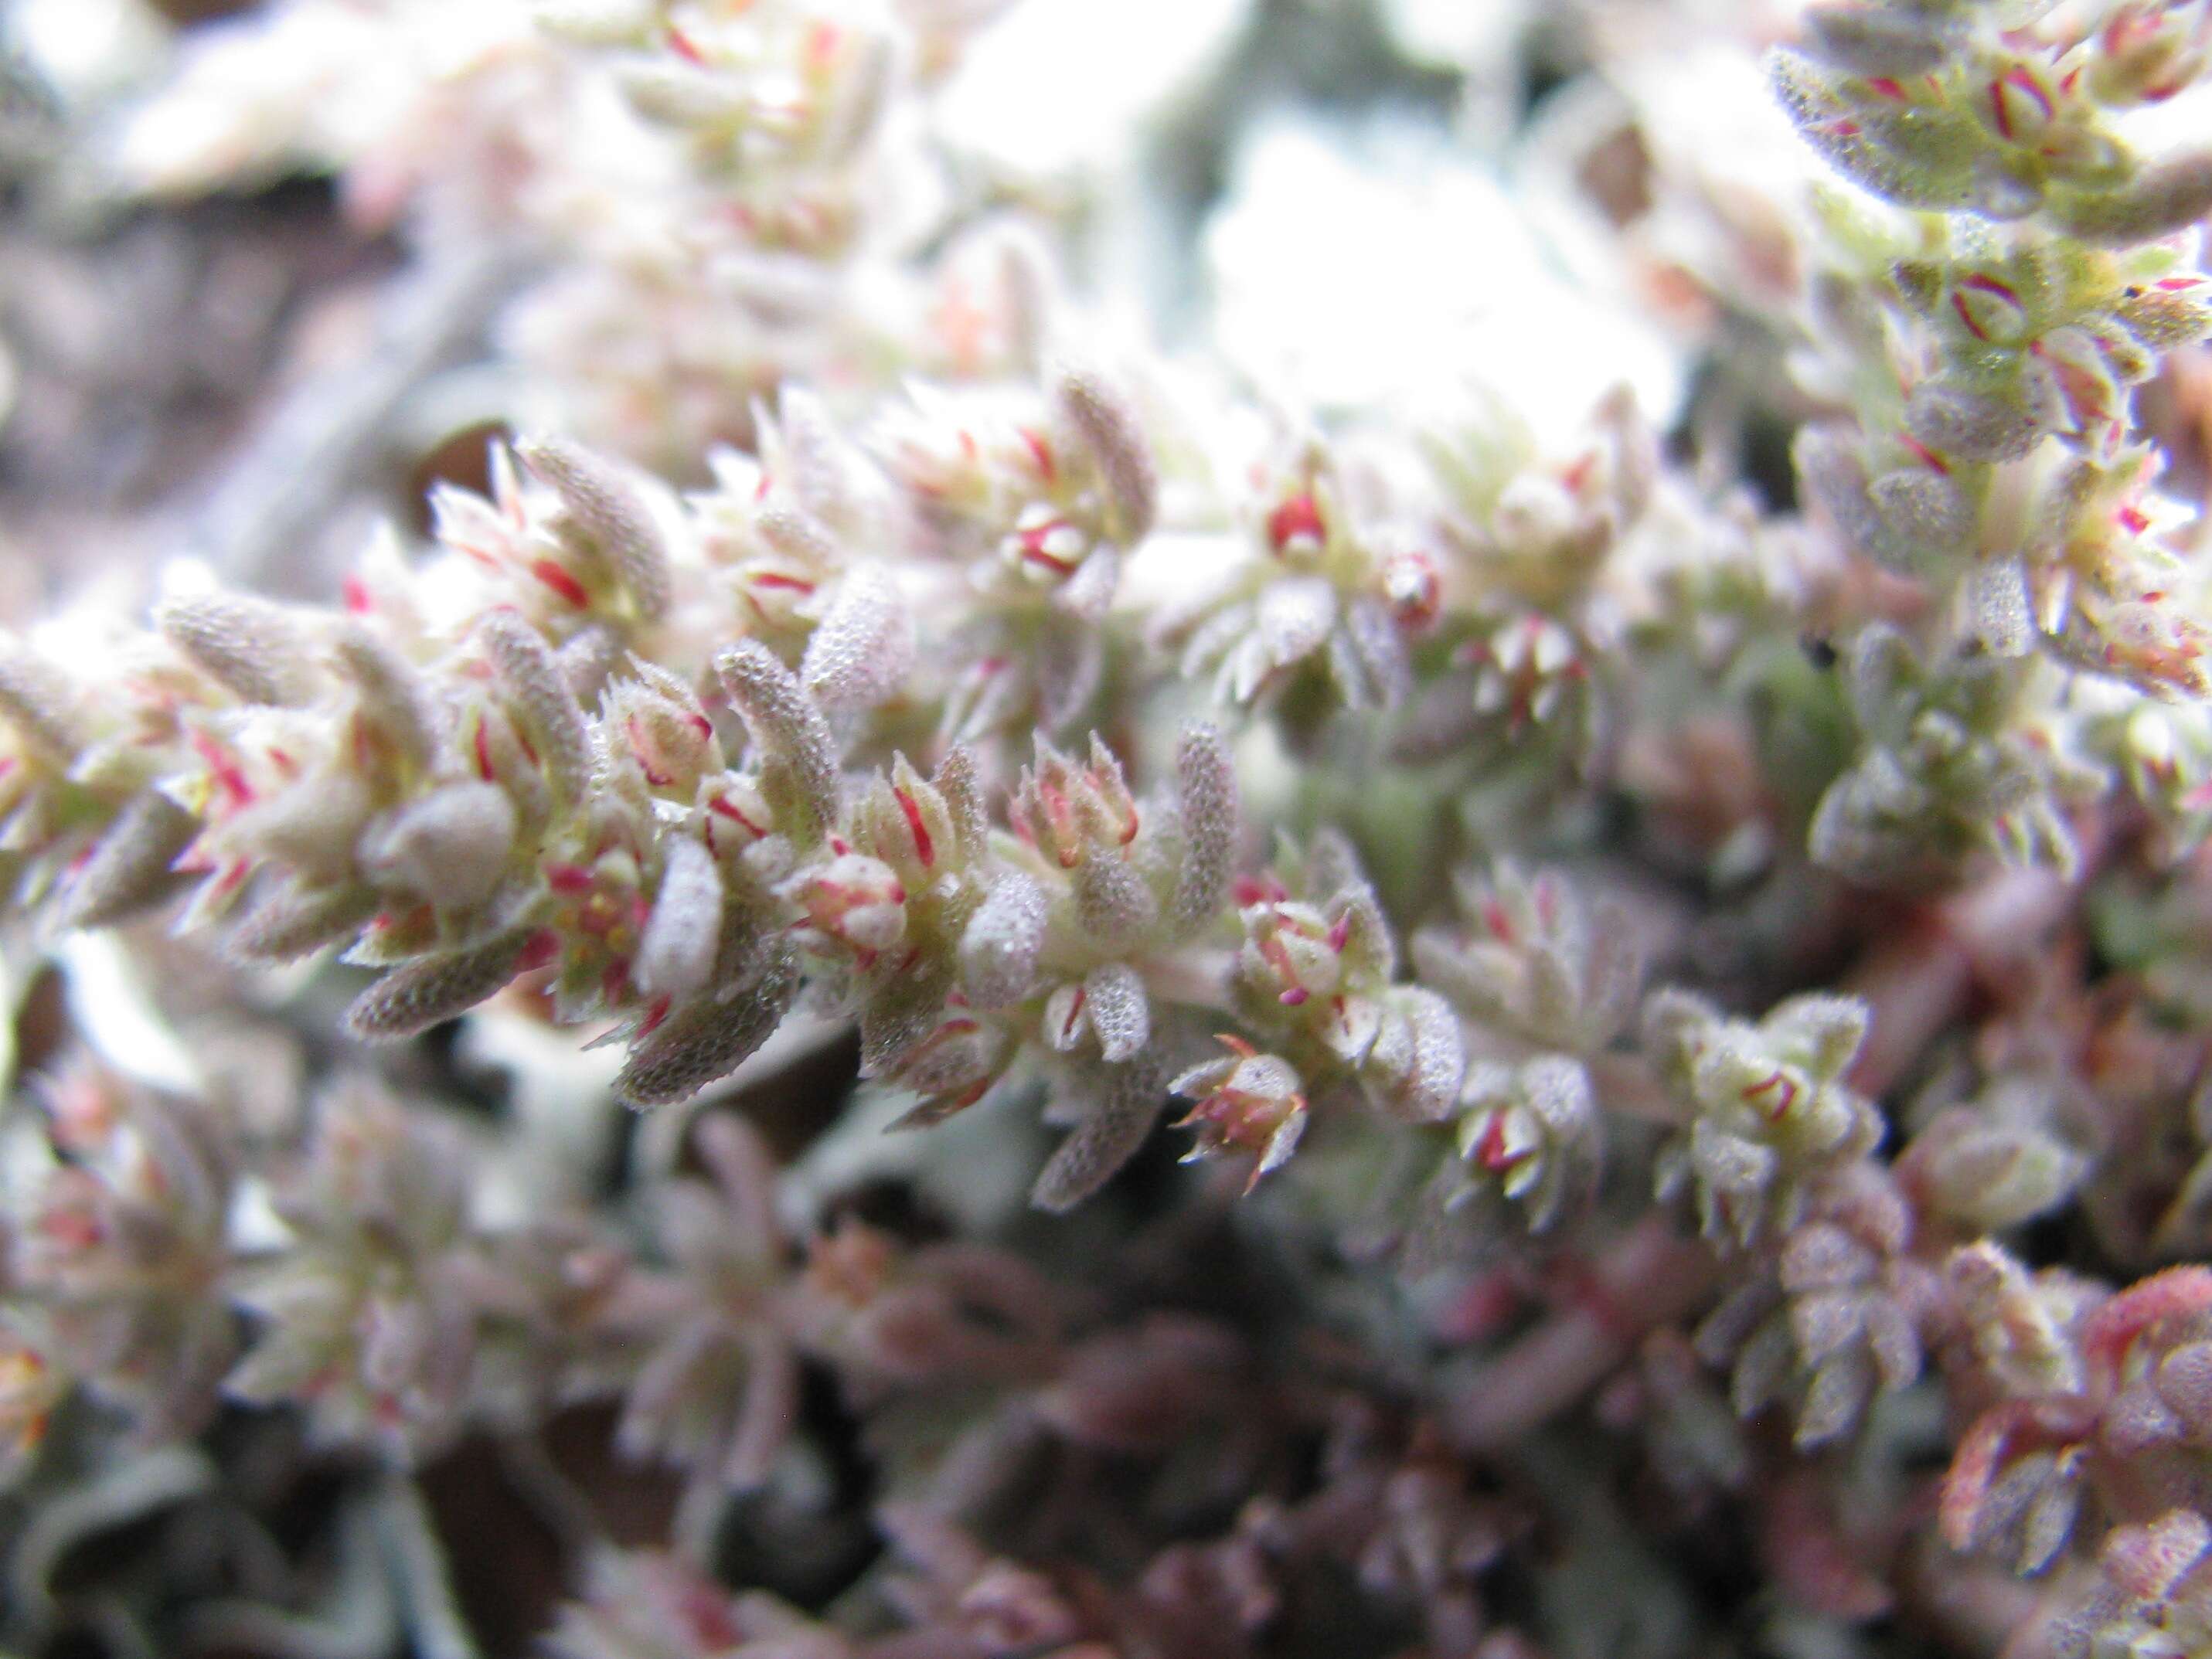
(242, 315)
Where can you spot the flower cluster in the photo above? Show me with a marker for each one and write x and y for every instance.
(1666, 911)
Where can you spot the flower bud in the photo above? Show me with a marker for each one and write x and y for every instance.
(1533, 1131)
(2018, 105)
(2145, 54)
(904, 820)
(1068, 812)
(1989, 308)
(855, 900)
(665, 729)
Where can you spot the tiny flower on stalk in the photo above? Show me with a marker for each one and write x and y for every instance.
(1247, 1102)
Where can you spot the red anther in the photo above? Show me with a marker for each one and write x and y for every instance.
(1074, 1012)
(653, 775)
(722, 806)
(1033, 547)
(1297, 517)
(1981, 282)
(1783, 1101)
(686, 48)
(1259, 889)
(1063, 819)
(560, 582)
(2021, 80)
(1040, 451)
(1886, 86)
(358, 598)
(655, 1014)
(2134, 520)
(923, 848)
(1495, 918)
(1490, 1151)
(1339, 931)
(227, 775)
(1927, 456)
(540, 949)
(776, 579)
(569, 880)
(481, 743)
